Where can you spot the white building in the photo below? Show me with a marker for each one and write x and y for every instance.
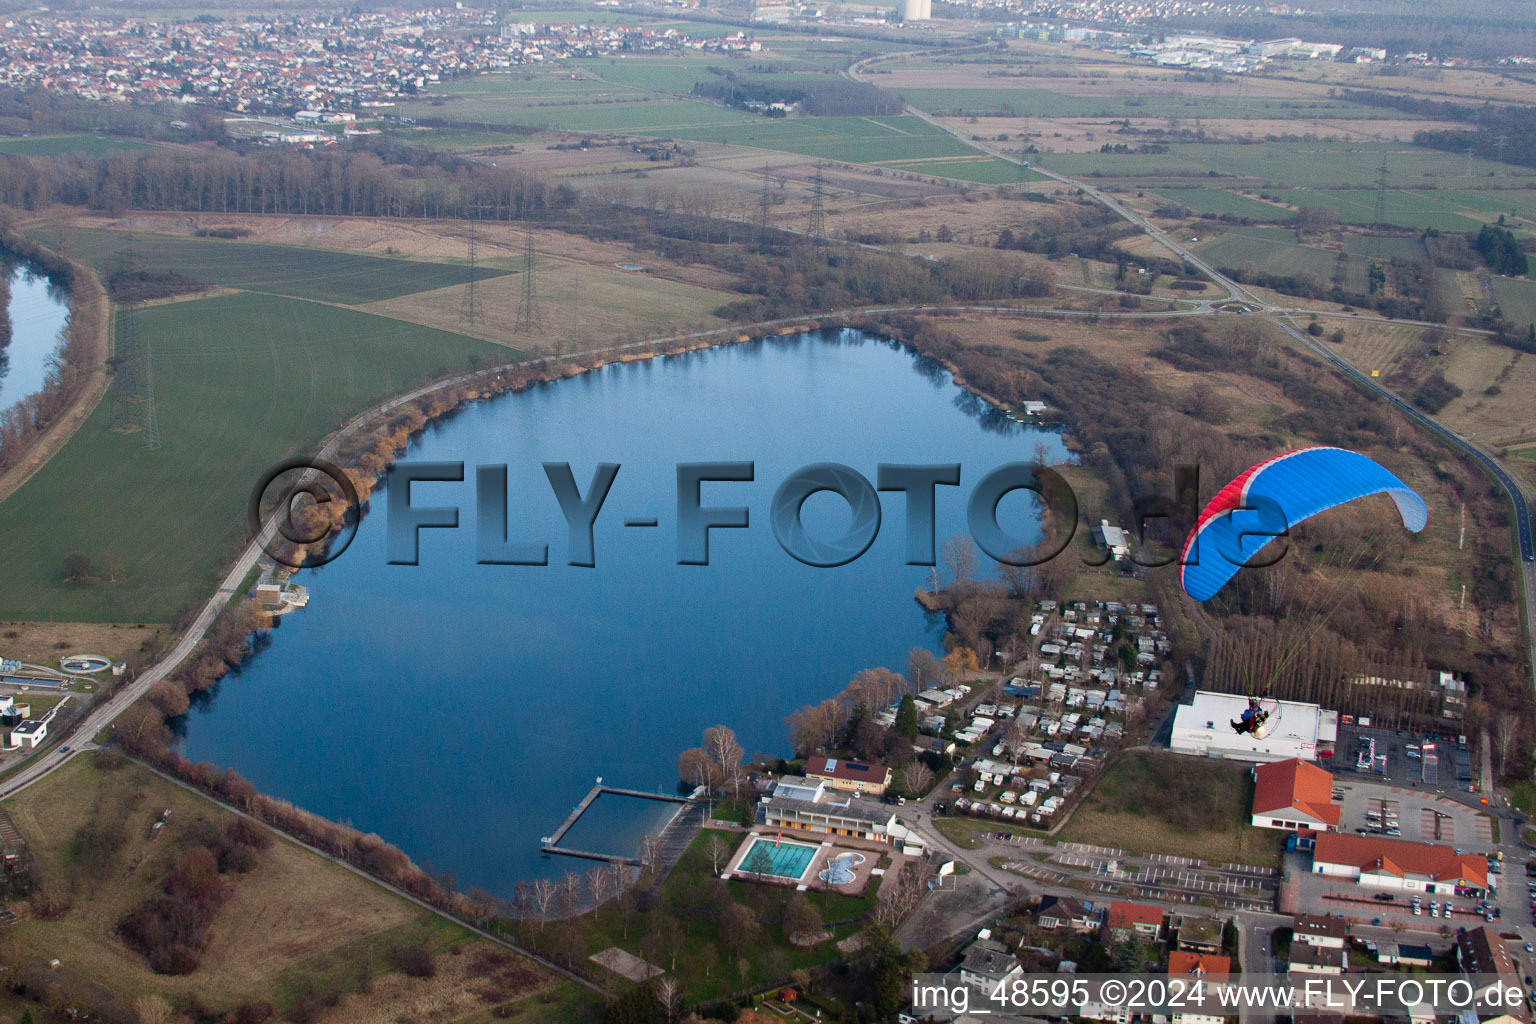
(29, 734)
(916, 10)
(1294, 730)
(1113, 539)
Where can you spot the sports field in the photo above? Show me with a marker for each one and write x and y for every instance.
(325, 275)
(241, 382)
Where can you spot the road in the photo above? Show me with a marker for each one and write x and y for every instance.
(1282, 317)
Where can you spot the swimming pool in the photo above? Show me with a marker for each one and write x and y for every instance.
(778, 858)
(841, 869)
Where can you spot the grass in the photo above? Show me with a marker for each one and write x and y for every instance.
(289, 916)
(80, 142)
(1238, 246)
(1168, 803)
(963, 831)
(1402, 208)
(984, 170)
(324, 275)
(241, 382)
(1517, 299)
(682, 889)
(1219, 201)
(1036, 102)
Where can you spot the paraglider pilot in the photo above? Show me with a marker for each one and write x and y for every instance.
(1253, 718)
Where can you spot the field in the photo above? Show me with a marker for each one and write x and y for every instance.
(1517, 299)
(1269, 249)
(1169, 803)
(296, 918)
(984, 170)
(1038, 102)
(43, 643)
(54, 145)
(1213, 200)
(242, 381)
(325, 276)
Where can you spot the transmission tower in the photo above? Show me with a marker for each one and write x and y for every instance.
(151, 424)
(1468, 172)
(528, 319)
(818, 225)
(764, 204)
(470, 311)
(1379, 218)
(1498, 148)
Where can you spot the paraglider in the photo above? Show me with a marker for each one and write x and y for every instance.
(1255, 719)
(1266, 500)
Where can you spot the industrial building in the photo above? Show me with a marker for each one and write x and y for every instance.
(1294, 730)
(916, 10)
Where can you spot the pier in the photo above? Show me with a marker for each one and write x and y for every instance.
(551, 843)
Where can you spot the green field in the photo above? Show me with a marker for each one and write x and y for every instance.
(982, 169)
(1214, 200)
(241, 382)
(678, 74)
(1417, 210)
(1517, 299)
(325, 275)
(1036, 102)
(1269, 250)
(54, 145)
(1296, 164)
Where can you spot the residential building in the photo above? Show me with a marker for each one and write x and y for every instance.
(1294, 795)
(1381, 863)
(1481, 952)
(1198, 934)
(987, 963)
(1309, 959)
(1112, 539)
(854, 776)
(1320, 930)
(809, 806)
(1057, 912)
(1213, 969)
(1127, 921)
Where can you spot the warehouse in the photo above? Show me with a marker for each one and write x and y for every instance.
(1295, 729)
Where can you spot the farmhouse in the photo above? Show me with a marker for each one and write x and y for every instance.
(806, 805)
(1295, 729)
(1381, 863)
(1294, 795)
(853, 776)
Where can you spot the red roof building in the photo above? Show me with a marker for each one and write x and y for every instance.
(1294, 795)
(1130, 920)
(1181, 961)
(854, 776)
(1398, 864)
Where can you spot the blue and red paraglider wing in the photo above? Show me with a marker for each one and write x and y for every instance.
(1268, 499)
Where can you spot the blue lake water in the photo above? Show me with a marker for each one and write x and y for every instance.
(461, 710)
(37, 313)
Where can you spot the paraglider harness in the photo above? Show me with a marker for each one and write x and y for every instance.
(1253, 718)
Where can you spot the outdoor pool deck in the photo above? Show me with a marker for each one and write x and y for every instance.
(798, 861)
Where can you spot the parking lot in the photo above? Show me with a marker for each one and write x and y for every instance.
(1435, 773)
(1321, 894)
(1420, 816)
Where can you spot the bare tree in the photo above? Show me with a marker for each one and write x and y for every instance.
(153, 1009)
(959, 561)
(618, 876)
(916, 778)
(670, 996)
(650, 849)
(570, 892)
(597, 885)
(718, 851)
(1506, 731)
(726, 752)
(543, 892)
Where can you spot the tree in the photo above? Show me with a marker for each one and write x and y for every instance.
(959, 561)
(727, 753)
(153, 1009)
(77, 567)
(923, 669)
(800, 918)
(738, 928)
(906, 717)
(960, 664)
(916, 778)
(1506, 731)
(718, 851)
(697, 768)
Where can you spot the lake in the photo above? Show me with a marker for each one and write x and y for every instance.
(461, 710)
(37, 313)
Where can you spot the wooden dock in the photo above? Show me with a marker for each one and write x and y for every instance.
(551, 843)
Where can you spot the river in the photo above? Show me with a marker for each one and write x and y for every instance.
(37, 312)
(460, 710)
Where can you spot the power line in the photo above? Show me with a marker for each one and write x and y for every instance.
(764, 204)
(469, 312)
(528, 319)
(151, 423)
(818, 219)
(1379, 218)
(1498, 148)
